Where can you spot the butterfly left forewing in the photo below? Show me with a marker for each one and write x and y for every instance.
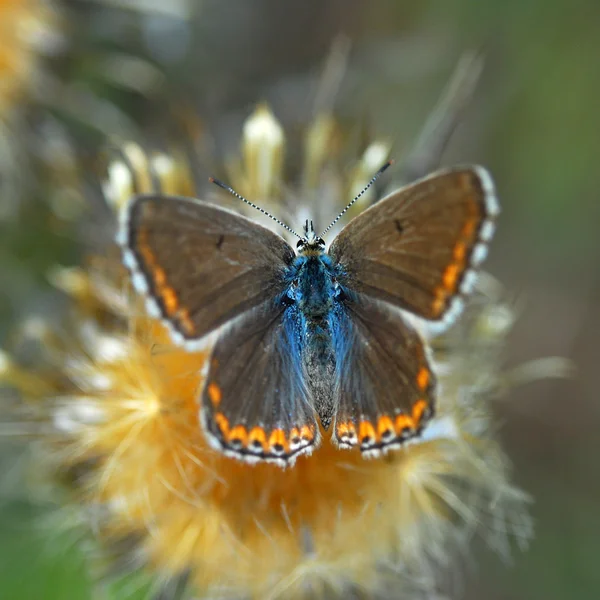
(385, 386)
(420, 247)
(255, 403)
(198, 264)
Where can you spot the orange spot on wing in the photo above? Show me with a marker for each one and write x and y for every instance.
(403, 422)
(447, 287)
(450, 276)
(454, 270)
(418, 409)
(366, 431)
(170, 299)
(468, 229)
(307, 433)
(277, 438)
(346, 430)
(223, 423)
(183, 315)
(384, 425)
(459, 252)
(238, 433)
(423, 378)
(214, 393)
(439, 302)
(342, 429)
(167, 294)
(160, 278)
(257, 434)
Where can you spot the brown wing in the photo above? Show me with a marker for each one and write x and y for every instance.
(385, 388)
(199, 265)
(256, 404)
(419, 247)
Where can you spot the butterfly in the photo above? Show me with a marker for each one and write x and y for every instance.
(311, 339)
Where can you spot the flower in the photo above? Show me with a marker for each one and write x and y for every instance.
(121, 400)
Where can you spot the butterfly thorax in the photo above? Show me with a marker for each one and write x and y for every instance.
(314, 285)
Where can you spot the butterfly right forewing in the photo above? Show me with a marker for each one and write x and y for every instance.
(419, 248)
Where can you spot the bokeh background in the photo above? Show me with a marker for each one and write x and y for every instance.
(76, 75)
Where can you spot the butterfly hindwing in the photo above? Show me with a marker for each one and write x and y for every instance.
(419, 247)
(198, 264)
(385, 387)
(255, 403)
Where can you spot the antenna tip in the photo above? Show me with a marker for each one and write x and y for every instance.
(389, 163)
(221, 184)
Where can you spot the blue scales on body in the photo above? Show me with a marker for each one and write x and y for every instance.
(313, 297)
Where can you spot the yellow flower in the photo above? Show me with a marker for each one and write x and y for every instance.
(123, 403)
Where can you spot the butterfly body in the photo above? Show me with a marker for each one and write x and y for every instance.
(313, 337)
(315, 294)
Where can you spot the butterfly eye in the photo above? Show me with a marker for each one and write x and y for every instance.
(300, 244)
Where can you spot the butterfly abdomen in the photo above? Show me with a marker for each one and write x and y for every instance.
(319, 364)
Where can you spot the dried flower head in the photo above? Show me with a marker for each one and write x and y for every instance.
(121, 400)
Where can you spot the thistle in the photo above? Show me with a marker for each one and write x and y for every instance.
(119, 404)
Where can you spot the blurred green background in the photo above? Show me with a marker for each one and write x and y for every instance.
(534, 122)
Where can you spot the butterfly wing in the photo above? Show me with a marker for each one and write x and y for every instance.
(255, 404)
(385, 387)
(198, 264)
(419, 247)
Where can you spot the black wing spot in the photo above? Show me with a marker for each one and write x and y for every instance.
(399, 226)
(220, 241)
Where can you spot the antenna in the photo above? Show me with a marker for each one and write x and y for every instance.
(264, 212)
(373, 180)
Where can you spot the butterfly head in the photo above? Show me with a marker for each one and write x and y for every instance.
(310, 243)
